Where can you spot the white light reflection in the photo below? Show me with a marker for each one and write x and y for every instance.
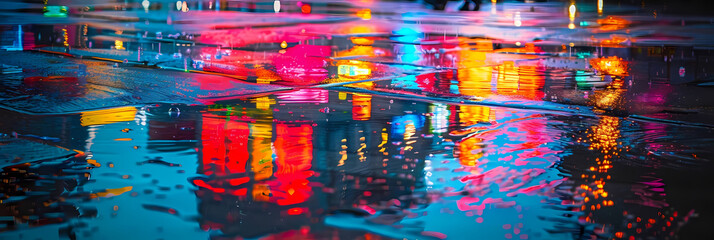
(276, 6)
(184, 8)
(440, 118)
(146, 5)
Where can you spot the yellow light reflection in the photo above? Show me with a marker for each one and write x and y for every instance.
(66, 38)
(610, 65)
(524, 81)
(473, 74)
(409, 132)
(385, 137)
(610, 98)
(612, 23)
(266, 76)
(361, 107)
(361, 29)
(365, 14)
(471, 115)
(353, 69)
(470, 151)
(614, 41)
(507, 78)
(93, 163)
(263, 103)
(111, 192)
(262, 163)
(118, 44)
(106, 116)
(362, 41)
(261, 193)
(603, 138)
(475, 81)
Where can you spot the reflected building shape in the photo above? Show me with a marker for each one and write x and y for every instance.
(478, 77)
(224, 147)
(293, 171)
(262, 154)
(375, 161)
(508, 79)
(471, 115)
(264, 103)
(475, 81)
(473, 74)
(524, 81)
(470, 150)
(362, 103)
(251, 176)
(294, 156)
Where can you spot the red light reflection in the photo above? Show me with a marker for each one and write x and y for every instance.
(293, 146)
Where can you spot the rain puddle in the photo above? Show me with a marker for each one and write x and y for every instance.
(323, 164)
